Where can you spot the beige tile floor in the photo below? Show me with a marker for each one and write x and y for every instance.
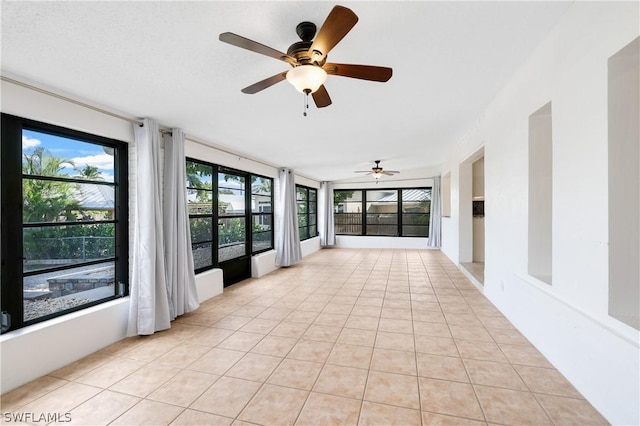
(345, 337)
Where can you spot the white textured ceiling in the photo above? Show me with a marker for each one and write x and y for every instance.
(164, 60)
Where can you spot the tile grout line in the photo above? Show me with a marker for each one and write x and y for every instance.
(384, 261)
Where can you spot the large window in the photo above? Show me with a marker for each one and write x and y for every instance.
(385, 212)
(64, 221)
(223, 226)
(307, 201)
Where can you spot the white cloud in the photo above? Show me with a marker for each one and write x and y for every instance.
(28, 142)
(106, 177)
(101, 161)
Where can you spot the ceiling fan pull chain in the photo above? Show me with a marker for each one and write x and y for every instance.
(305, 105)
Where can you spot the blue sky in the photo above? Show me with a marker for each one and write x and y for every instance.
(81, 153)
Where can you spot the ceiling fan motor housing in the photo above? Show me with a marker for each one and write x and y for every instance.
(299, 50)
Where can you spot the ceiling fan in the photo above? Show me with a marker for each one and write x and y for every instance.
(309, 57)
(377, 171)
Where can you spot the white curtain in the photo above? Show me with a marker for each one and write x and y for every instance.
(287, 238)
(325, 217)
(149, 306)
(181, 279)
(435, 220)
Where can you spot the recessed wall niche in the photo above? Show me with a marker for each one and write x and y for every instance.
(624, 184)
(540, 194)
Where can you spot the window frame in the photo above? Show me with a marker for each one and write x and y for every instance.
(308, 212)
(215, 214)
(248, 241)
(368, 225)
(13, 225)
(262, 214)
(363, 211)
(214, 207)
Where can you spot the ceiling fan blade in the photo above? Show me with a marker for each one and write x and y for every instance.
(254, 46)
(388, 173)
(321, 97)
(335, 27)
(363, 171)
(267, 82)
(363, 72)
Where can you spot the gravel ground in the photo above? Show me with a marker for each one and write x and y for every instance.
(41, 307)
(38, 308)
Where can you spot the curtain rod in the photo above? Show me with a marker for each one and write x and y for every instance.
(71, 100)
(167, 131)
(163, 129)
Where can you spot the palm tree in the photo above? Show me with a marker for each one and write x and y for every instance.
(42, 163)
(90, 173)
(44, 200)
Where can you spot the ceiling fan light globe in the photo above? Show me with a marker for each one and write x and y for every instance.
(307, 78)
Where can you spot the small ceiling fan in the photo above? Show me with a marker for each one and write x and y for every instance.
(309, 57)
(377, 171)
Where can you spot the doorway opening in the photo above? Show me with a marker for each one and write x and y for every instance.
(472, 216)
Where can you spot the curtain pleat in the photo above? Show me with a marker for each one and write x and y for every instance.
(181, 279)
(435, 221)
(149, 306)
(287, 240)
(325, 218)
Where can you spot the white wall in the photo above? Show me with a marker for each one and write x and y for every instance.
(373, 242)
(569, 320)
(204, 152)
(367, 182)
(34, 351)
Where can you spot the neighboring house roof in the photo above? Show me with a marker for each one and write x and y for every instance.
(95, 197)
(235, 202)
(408, 195)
